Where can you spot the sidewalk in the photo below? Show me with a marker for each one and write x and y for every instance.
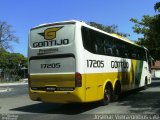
(5, 87)
(3, 90)
(11, 84)
(23, 82)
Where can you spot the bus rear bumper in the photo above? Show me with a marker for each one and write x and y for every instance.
(55, 97)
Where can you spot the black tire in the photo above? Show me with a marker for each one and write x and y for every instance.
(107, 96)
(145, 84)
(117, 92)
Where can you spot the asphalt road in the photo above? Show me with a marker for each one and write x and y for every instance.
(15, 103)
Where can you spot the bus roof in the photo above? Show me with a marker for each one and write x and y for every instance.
(124, 39)
(55, 23)
(85, 24)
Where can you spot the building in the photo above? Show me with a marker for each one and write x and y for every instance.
(156, 69)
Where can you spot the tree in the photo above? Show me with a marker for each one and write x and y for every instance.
(149, 27)
(109, 29)
(11, 63)
(157, 7)
(6, 36)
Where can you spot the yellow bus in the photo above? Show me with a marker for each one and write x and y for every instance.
(70, 61)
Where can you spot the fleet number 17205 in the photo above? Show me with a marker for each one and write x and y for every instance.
(95, 63)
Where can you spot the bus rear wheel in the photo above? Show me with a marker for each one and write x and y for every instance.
(117, 91)
(107, 96)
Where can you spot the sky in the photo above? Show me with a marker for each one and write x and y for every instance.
(25, 14)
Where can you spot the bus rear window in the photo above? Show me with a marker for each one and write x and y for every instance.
(52, 36)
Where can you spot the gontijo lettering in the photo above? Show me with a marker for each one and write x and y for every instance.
(119, 64)
(51, 43)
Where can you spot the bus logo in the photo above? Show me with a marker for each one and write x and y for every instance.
(50, 33)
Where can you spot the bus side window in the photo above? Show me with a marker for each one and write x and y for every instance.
(133, 56)
(115, 47)
(88, 39)
(99, 45)
(117, 53)
(125, 50)
(108, 46)
(119, 48)
(109, 51)
(138, 53)
(114, 50)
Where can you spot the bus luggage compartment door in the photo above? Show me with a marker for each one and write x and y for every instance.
(56, 72)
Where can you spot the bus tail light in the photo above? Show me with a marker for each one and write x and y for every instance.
(78, 79)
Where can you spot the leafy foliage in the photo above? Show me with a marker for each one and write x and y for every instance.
(11, 63)
(157, 7)
(149, 27)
